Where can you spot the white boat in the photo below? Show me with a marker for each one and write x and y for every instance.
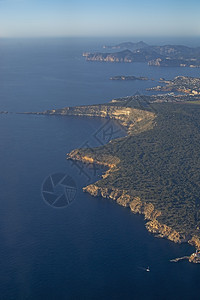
(148, 270)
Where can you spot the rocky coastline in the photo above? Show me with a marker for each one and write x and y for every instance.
(134, 121)
(136, 205)
(131, 119)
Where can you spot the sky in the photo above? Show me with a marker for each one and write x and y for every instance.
(36, 18)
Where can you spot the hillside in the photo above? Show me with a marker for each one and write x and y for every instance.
(167, 55)
(155, 169)
(156, 172)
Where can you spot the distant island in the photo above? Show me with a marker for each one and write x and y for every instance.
(154, 170)
(133, 78)
(128, 45)
(161, 56)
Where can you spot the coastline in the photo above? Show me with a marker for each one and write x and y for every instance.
(134, 203)
(134, 121)
(123, 198)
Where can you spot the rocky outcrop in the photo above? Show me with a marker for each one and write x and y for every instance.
(123, 198)
(151, 214)
(195, 258)
(126, 199)
(155, 62)
(106, 160)
(164, 231)
(195, 241)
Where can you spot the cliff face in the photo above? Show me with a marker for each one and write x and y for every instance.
(164, 231)
(134, 120)
(155, 62)
(107, 160)
(123, 198)
(123, 56)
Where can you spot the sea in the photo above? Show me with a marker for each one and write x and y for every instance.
(81, 247)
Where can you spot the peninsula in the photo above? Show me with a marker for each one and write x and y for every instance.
(154, 170)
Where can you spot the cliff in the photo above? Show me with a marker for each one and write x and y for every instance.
(137, 206)
(134, 120)
(151, 215)
(127, 199)
(123, 56)
(106, 160)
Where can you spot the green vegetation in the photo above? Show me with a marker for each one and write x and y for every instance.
(194, 102)
(161, 165)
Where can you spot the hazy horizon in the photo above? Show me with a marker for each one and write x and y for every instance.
(112, 40)
(34, 18)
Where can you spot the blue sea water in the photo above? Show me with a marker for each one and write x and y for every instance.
(93, 248)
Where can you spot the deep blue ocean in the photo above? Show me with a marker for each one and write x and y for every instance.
(92, 248)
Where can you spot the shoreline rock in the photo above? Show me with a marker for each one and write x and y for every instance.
(134, 203)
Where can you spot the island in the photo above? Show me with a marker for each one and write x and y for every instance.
(155, 169)
(132, 78)
(128, 45)
(160, 56)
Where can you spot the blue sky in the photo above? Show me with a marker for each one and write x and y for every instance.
(27, 18)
